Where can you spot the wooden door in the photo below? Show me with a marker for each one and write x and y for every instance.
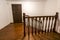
(17, 13)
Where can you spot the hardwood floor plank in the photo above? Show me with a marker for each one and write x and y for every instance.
(15, 32)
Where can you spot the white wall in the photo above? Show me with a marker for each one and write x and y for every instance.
(4, 14)
(58, 7)
(46, 7)
(50, 7)
(30, 8)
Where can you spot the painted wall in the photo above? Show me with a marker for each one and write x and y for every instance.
(4, 14)
(58, 7)
(50, 7)
(30, 8)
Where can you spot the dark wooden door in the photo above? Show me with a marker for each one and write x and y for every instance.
(17, 13)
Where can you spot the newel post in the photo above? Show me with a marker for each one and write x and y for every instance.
(24, 23)
(56, 19)
(56, 15)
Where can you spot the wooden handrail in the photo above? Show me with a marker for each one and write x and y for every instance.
(38, 16)
(32, 17)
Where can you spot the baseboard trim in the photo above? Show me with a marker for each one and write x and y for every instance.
(5, 26)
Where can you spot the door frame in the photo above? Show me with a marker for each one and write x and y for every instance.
(12, 12)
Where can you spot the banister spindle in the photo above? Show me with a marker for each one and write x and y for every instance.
(43, 21)
(39, 28)
(32, 26)
(52, 24)
(35, 24)
(28, 28)
(49, 23)
(24, 24)
(46, 23)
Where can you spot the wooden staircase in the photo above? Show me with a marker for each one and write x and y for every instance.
(34, 25)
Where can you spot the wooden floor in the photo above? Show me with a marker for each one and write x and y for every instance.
(15, 32)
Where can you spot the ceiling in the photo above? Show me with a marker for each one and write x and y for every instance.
(26, 0)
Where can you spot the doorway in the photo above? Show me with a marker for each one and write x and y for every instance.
(17, 13)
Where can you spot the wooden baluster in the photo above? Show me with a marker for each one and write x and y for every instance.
(46, 23)
(43, 22)
(52, 24)
(28, 28)
(24, 24)
(32, 26)
(39, 28)
(35, 25)
(41, 25)
(49, 23)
